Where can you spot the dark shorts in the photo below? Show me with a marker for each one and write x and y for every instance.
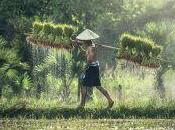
(92, 76)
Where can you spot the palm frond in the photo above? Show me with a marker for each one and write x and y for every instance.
(47, 64)
(8, 56)
(3, 69)
(11, 74)
(3, 42)
(21, 66)
(26, 82)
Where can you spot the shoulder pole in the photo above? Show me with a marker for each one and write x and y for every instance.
(106, 46)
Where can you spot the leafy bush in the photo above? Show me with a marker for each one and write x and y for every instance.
(49, 34)
(139, 49)
(13, 72)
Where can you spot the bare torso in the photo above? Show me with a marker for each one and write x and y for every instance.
(90, 54)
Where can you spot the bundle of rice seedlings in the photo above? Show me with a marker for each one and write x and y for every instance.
(141, 50)
(53, 35)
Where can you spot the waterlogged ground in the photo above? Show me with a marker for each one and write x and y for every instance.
(86, 124)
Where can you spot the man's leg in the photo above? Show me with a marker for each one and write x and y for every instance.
(89, 94)
(106, 94)
(83, 96)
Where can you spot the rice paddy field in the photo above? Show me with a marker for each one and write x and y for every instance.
(87, 124)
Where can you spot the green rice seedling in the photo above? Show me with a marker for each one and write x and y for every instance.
(144, 61)
(58, 32)
(66, 40)
(51, 36)
(156, 51)
(69, 30)
(58, 39)
(150, 62)
(47, 28)
(42, 36)
(46, 31)
(37, 28)
(134, 54)
(147, 48)
(124, 40)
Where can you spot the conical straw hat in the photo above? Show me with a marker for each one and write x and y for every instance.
(87, 35)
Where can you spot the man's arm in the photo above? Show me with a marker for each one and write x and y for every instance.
(81, 48)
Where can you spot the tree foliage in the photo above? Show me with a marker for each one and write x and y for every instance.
(12, 70)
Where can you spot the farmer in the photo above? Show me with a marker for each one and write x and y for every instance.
(91, 75)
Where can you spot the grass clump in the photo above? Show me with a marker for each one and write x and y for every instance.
(140, 50)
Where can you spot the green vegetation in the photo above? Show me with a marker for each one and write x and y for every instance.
(47, 108)
(77, 124)
(53, 35)
(141, 50)
(141, 104)
(13, 73)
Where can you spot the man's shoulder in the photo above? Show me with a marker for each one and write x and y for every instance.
(89, 47)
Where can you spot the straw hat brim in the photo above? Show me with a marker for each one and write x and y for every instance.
(87, 35)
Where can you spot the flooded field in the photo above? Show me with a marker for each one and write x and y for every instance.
(87, 124)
